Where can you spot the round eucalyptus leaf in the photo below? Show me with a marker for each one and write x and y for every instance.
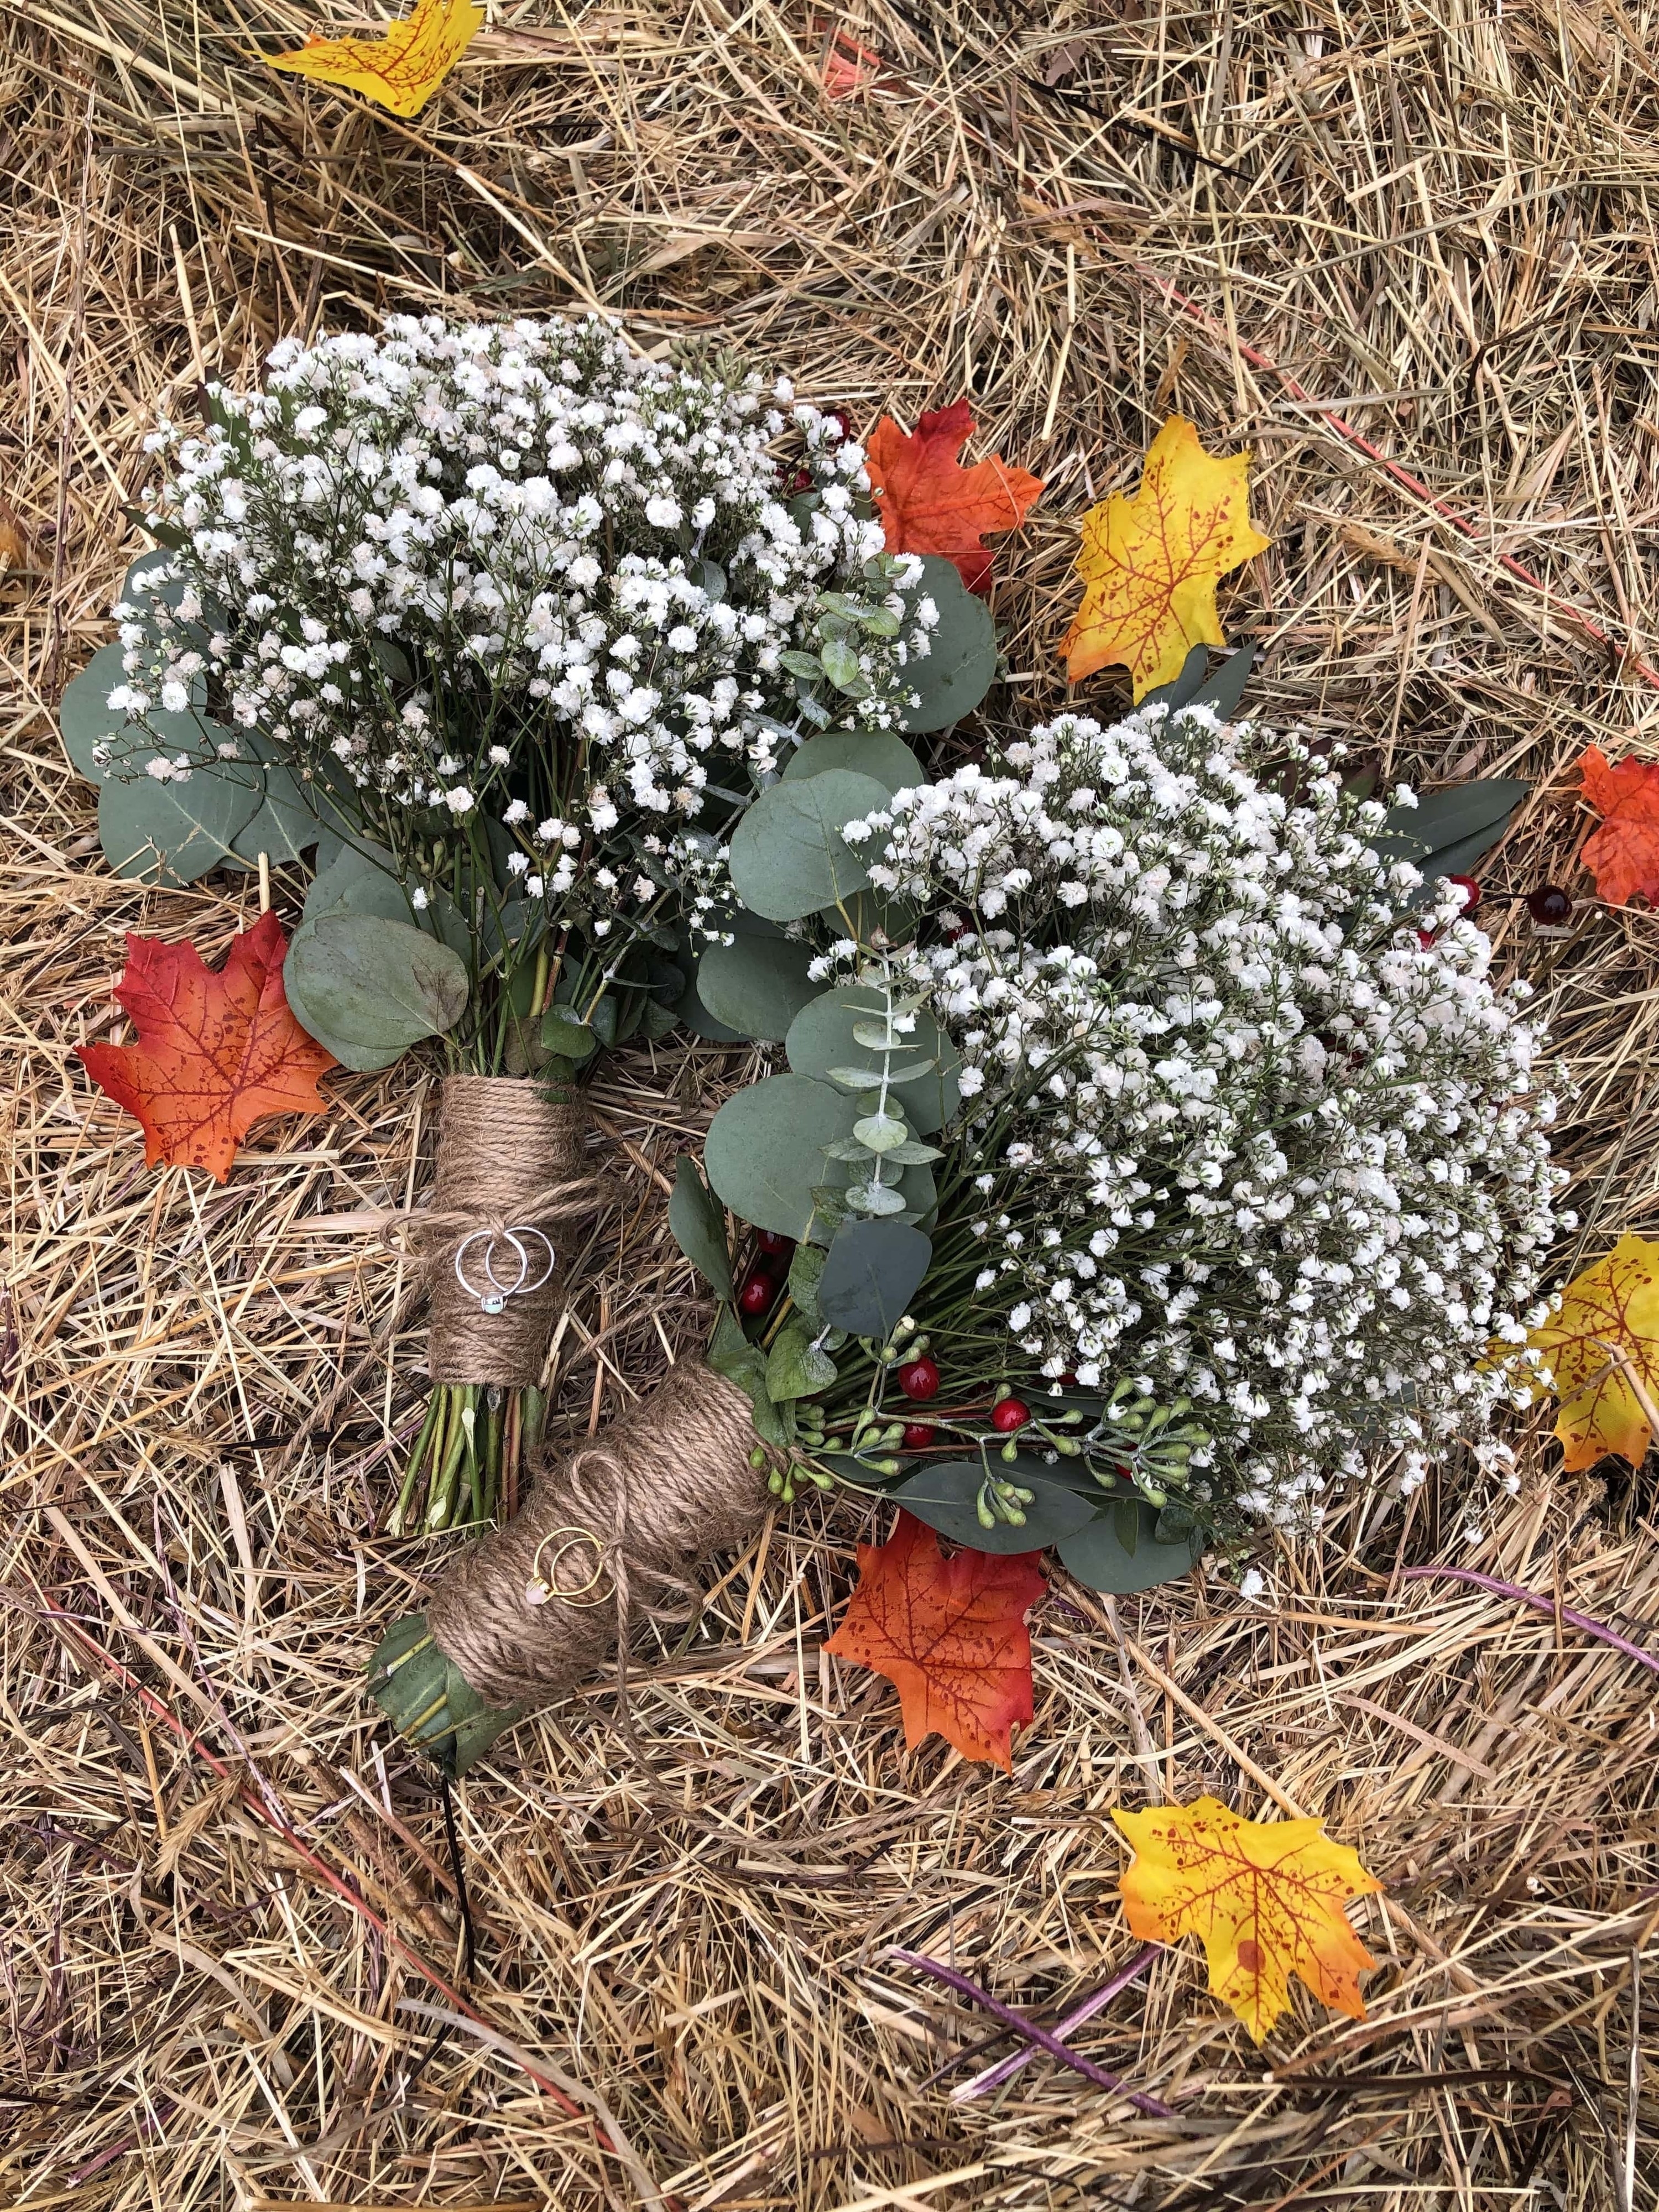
(956, 673)
(871, 1273)
(788, 857)
(1118, 1549)
(283, 823)
(170, 833)
(89, 725)
(821, 1037)
(756, 985)
(875, 918)
(876, 753)
(359, 880)
(368, 988)
(944, 1494)
(764, 1155)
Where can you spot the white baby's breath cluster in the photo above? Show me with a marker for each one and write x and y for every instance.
(1237, 1128)
(510, 571)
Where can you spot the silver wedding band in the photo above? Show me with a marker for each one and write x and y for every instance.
(493, 1300)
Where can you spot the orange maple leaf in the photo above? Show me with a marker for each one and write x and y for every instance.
(1623, 854)
(949, 1634)
(1266, 1896)
(1614, 1304)
(401, 71)
(1150, 565)
(216, 1052)
(929, 503)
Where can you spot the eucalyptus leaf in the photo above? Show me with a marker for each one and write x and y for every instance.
(756, 985)
(821, 1039)
(1185, 686)
(869, 1275)
(563, 1033)
(876, 753)
(943, 1493)
(1226, 688)
(369, 988)
(764, 1156)
(841, 665)
(89, 725)
(1448, 831)
(170, 833)
(284, 822)
(877, 918)
(1118, 1550)
(956, 673)
(788, 855)
(696, 1222)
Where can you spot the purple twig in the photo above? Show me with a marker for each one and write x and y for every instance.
(1031, 2031)
(1005, 2069)
(1540, 1604)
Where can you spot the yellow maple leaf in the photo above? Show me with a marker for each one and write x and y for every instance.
(1266, 1896)
(1615, 1302)
(401, 71)
(1150, 565)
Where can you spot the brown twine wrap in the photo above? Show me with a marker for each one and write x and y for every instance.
(507, 1156)
(666, 1487)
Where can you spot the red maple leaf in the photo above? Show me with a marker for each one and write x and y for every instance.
(928, 503)
(949, 1634)
(216, 1052)
(1623, 854)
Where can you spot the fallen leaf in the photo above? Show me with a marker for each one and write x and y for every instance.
(16, 554)
(949, 1634)
(1615, 1302)
(1266, 1896)
(1150, 565)
(216, 1052)
(929, 503)
(401, 71)
(1623, 854)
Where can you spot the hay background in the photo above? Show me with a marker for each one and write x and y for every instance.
(1443, 222)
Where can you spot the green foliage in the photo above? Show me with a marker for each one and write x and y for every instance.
(429, 1700)
(756, 985)
(170, 833)
(956, 675)
(869, 1275)
(696, 1222)
(369, 988)
(946, 1494)
(823, 1036)
(1447, 832)
(788, 856)
(1119, 1550)
(876, 753)
(796, 1367)
(765, 1156)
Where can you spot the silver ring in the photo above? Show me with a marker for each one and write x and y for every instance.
(521, 1289)
(492, 1302)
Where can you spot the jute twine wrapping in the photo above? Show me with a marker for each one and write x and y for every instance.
(664, 1488)
(506, 1158)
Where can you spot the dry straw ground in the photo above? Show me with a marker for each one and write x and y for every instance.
(229, 1934)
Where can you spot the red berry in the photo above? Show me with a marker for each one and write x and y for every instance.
(1068, 1380)
(918, 1434)
(953, 929)
(758, 1294)
(1425, 938)
(1549, 906)
(921, 1378)
(839, 415)
(774, 1245)
(1471, 890)
(1012, 1414)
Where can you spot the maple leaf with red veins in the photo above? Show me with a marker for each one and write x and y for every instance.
(1623, 854)
(928, 503)
(949, 1634)
(216, 1052)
